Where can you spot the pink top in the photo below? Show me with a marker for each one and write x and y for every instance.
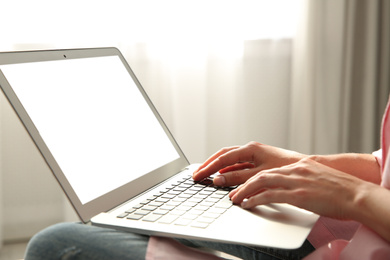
(333, 239)
(364, 244)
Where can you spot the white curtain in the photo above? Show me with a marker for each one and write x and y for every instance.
(220, 99)
(340, 81)
(214, 86)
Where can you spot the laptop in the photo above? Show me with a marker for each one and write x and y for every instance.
(116, 160)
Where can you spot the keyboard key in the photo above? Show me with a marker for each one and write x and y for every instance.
(188, 215)
(222, 192)
(199, 224)
(185, 196)
(168, 219)
(206, 204)
(161, 200)
(160, 211)
(138, 206)
(144, 202)
(185, 185)
(211, 215)
(189, 204)
(173, 203)
(183, 208)
(130, 210)
(179, 189)
(179, 199)
(156, 204)
(142, 212)
(200, 196)
(151, 218)
(213, 200)
(206, 182)
(168, 196)
(216, 210)
(224, 205)
(189, 191)
(211, 189)
(123, 215)
(216, 196)
(205, 192)
(196, 200)
(205, 220)
(177, 212)
(172, 192)
(149, 208)
(196, 188)
(167, 207)
(183, 222)
(196, 212)
(200, 207)
(134, 217)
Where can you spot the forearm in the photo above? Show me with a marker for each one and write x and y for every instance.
(369, 208)
(363, 166)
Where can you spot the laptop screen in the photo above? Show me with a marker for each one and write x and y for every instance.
(94, 120)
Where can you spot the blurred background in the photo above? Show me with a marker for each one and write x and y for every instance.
(311, 76)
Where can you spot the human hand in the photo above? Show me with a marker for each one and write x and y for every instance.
(306, 184)
(237, 164)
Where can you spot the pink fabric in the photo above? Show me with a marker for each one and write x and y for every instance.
(327, 230)
(365, 244)
(385, 148)
(160, 248)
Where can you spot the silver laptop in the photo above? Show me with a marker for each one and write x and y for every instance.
(116, 160)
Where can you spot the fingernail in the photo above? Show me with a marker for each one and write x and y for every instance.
(244, 204)
(220, 180)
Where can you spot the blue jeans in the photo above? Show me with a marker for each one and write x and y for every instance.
(77, 241)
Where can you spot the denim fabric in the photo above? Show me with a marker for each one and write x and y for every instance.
(74, 241)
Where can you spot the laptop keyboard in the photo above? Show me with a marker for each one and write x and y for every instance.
(184, 203)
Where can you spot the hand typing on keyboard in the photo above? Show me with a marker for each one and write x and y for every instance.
(239, 163)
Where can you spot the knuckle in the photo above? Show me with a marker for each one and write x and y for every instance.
(300, 169)
(300, 193)
(220, 162)
(253, 145)
(225, 149)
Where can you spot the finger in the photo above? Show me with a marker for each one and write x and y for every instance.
(234, 177)
(210, 160)
(269, 196)
(233, 192)
(224, 158)
(261, 182)
(237, 167)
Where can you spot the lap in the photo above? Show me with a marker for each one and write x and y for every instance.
(79, 241)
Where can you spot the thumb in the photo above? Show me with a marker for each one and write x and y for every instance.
(233, 178)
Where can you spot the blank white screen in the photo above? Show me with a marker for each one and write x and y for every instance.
(94, 120)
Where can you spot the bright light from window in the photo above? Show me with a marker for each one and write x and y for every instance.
(86, 21)
(175, 31)
(216, 20)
